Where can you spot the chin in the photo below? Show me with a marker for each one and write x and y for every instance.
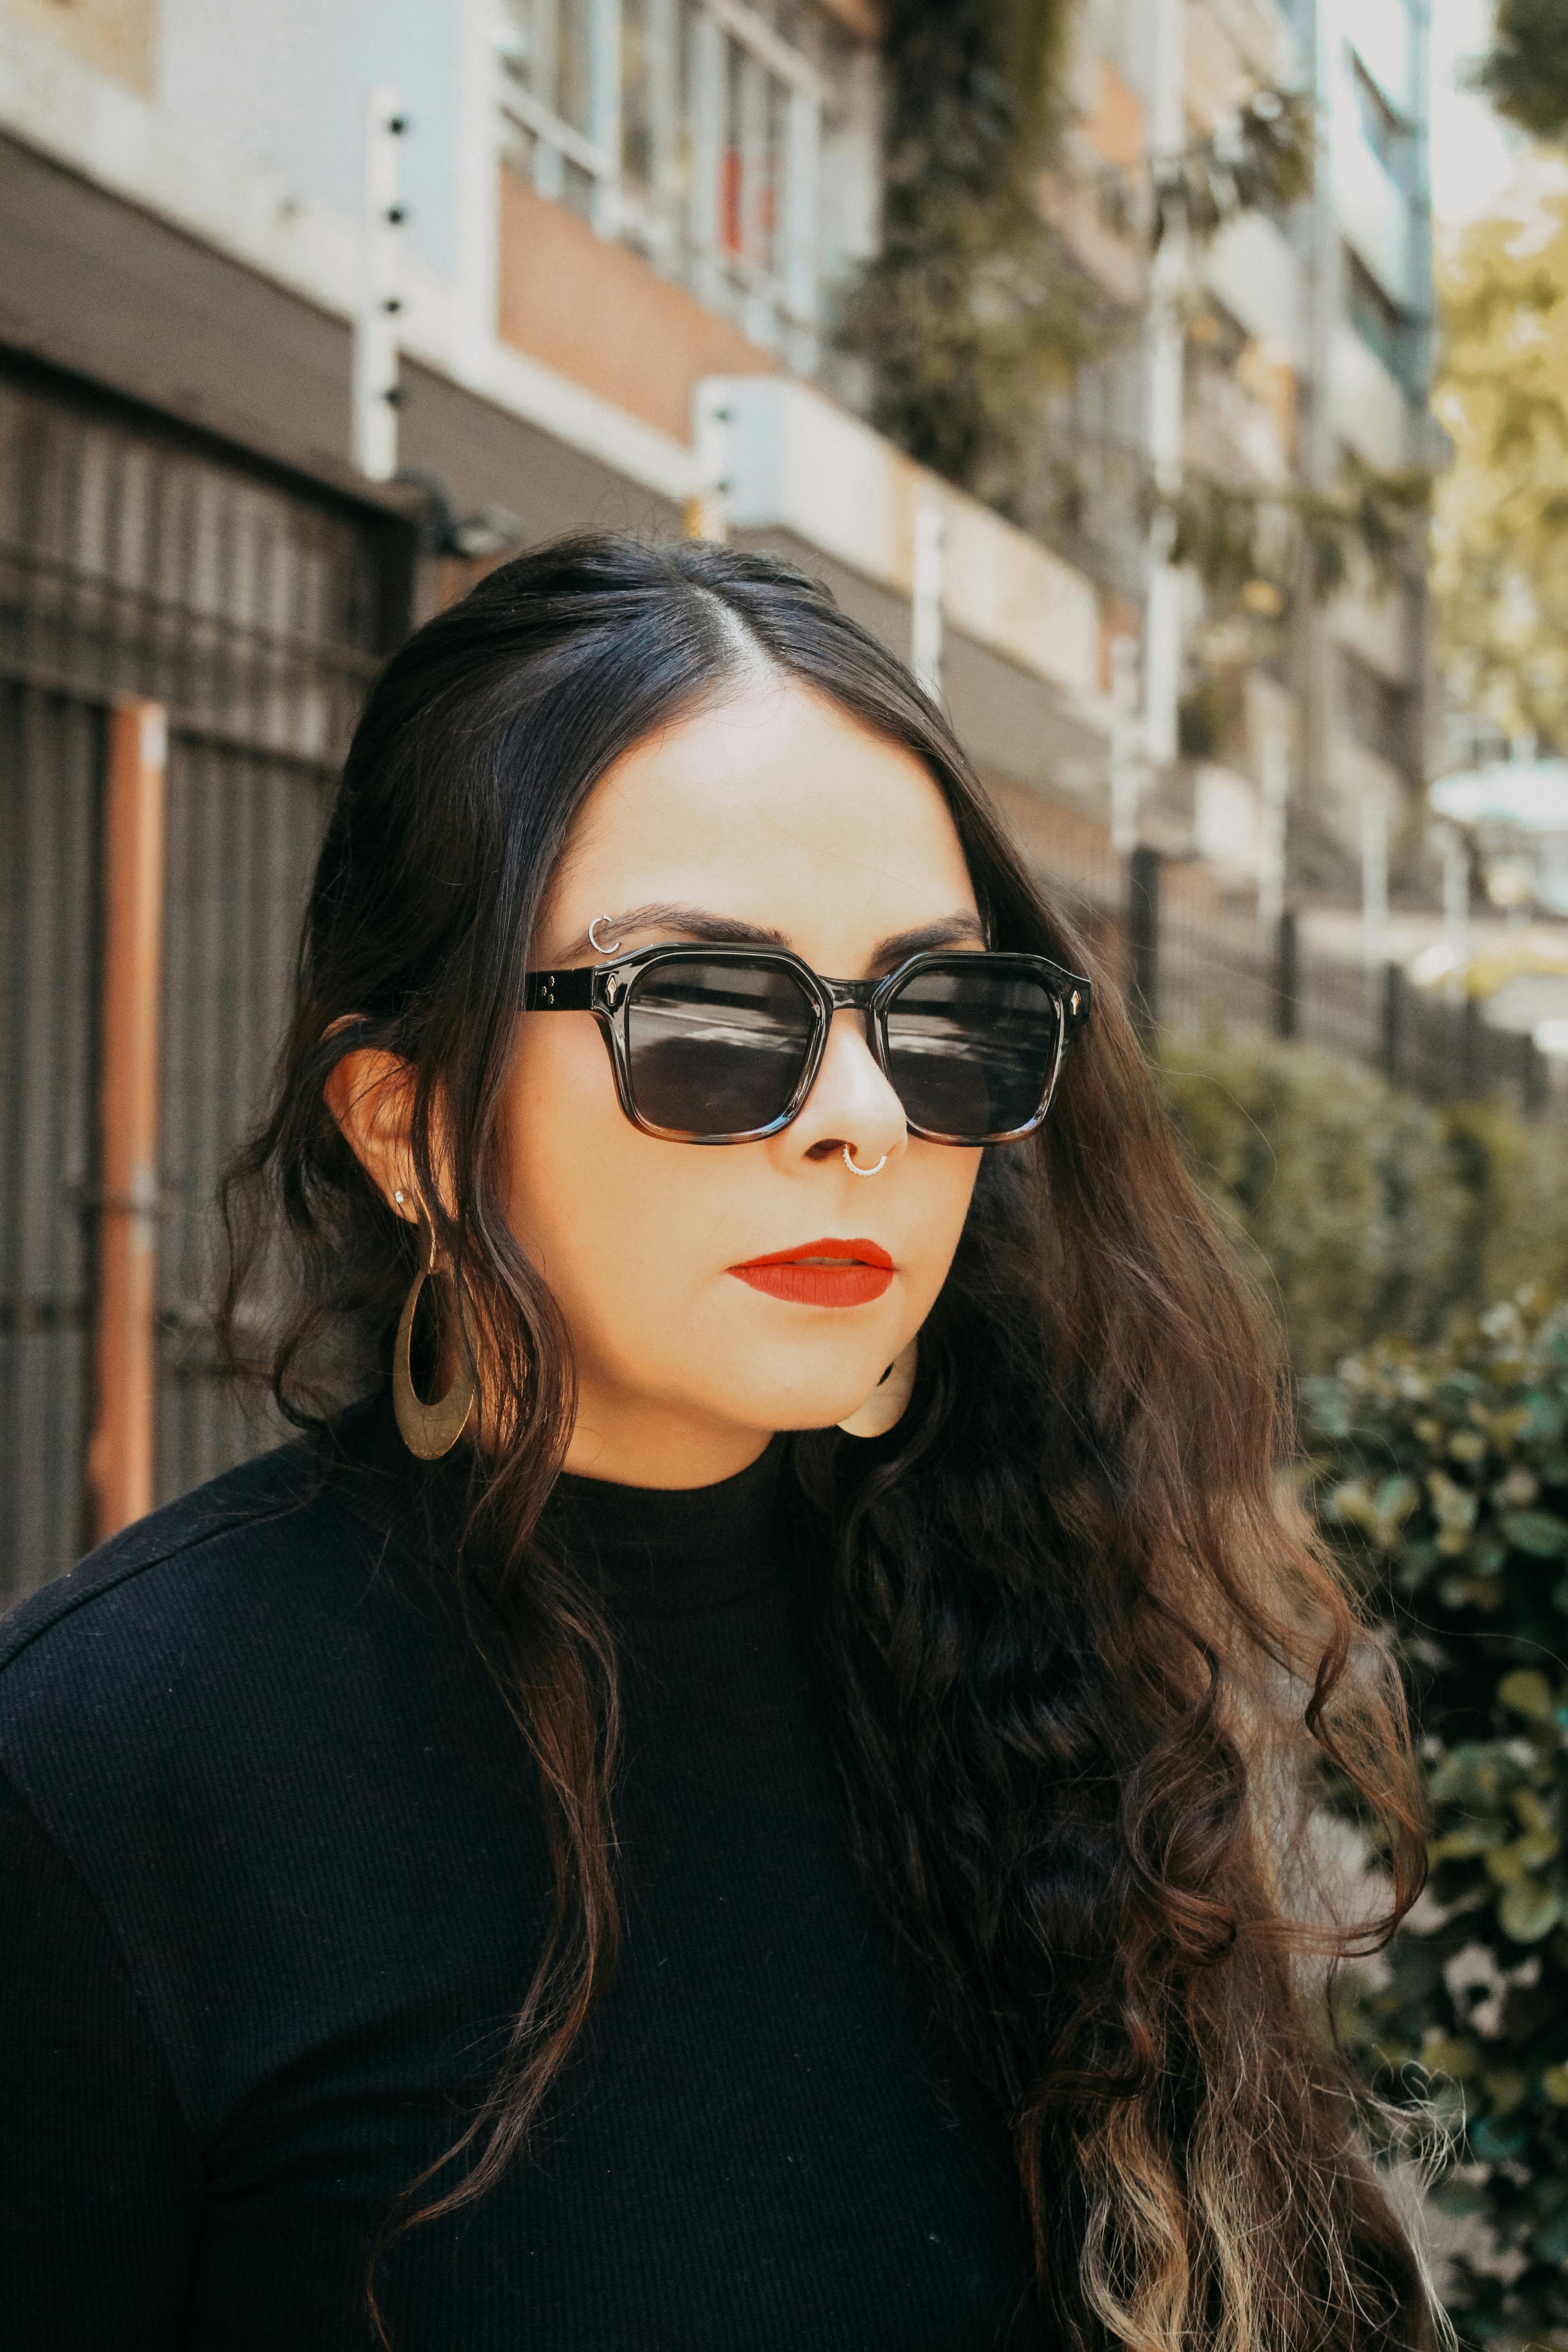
(824, 1407)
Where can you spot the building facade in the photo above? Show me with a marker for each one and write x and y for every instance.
(305, 311)
(1366, 688)
(1268, 371)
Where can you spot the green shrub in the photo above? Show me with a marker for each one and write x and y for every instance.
(1442, 1474)
(1366, 1211)
(1516, 1182)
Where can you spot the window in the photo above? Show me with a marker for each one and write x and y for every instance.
(1116, 200)
(1382, 325)
(1378, 711)
(690, 129)
(1386, 133)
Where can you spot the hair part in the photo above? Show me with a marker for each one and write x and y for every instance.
(1077, 1660)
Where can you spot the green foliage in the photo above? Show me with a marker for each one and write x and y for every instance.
(1442, 1475)
(1525, 73)
(1365, 1211)
(969, 310)
(1499, 571)
(972, 314)
(1262, 155)
(1236, 535)
(1437, 1458)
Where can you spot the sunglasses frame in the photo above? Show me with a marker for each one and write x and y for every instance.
(608, 989)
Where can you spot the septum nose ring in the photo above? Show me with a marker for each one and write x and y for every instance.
(864, 1171)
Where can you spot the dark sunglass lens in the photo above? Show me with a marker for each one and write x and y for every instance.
(716, 1048)
(971, 1052)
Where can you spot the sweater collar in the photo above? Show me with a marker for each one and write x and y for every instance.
(666, 1550)
(653, 1549)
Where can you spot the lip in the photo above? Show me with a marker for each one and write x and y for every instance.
(861, 1271)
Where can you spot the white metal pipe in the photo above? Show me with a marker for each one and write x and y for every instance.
(1457, 913)
(1273, 794)
(754, 225)
(758, 38)
(1126, 746)
(800, 270)
(925, 603)
(373, 424)
(664, 113)
(478, 186)
(556, 137)
(707, 509)
(1166, 367)
(707, 112)
(543, 88)
(604, 109)
(1375, 880)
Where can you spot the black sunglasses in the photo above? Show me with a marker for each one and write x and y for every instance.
(723, 1045)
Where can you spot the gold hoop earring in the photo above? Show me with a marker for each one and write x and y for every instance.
(431, 1430)
(888, 1401)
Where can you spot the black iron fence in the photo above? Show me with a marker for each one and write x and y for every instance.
(1190, 976)
(137, 560)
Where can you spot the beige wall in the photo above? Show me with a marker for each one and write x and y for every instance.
(115, 37)
(603, 317)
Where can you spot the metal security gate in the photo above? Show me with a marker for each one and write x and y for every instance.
(133, 561)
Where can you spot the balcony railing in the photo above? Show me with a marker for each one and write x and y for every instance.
(688, 129)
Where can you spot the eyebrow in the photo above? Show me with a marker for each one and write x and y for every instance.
(709, 930)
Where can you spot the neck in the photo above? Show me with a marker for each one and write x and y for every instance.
(644, 1444)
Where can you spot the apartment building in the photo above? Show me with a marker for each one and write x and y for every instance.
(1273, 363)
(1369, 707)
(305, 311)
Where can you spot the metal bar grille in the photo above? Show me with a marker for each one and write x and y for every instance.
(52, 757)
(131, 561)
(242, 832)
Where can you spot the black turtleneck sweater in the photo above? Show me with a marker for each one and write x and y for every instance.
(273, 1882)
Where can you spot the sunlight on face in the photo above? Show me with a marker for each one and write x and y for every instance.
(777, 810)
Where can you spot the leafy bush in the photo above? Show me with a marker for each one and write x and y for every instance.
(1442, 1473)
(1366, 1211)
(969, 307)
(1526, 74)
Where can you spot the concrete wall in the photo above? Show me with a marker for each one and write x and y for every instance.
(285, 85)
(603, 316)
(125, 301)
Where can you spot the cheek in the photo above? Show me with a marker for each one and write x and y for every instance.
(588, 1193)
(562, 1119)
(939, 1184)
(633, 1236)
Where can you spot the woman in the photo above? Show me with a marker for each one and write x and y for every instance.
(741, 1796)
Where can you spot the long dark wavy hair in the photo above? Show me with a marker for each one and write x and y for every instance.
(1080, 1658)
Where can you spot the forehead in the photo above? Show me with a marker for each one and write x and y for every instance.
(775, 807)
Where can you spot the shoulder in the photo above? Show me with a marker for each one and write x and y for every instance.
(213, 1521)
(188, 1617)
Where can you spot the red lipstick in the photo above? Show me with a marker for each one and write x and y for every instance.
(821, 1274)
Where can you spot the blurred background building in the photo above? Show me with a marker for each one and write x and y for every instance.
(309, 313)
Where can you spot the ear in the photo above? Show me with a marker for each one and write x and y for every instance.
(370, 1096)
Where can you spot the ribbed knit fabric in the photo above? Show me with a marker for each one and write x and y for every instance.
(272, 1882)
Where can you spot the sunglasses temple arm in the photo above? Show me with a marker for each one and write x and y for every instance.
(560, 992)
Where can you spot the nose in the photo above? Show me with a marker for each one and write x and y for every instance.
(850, 1104)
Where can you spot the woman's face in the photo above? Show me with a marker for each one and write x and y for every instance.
(777, 816)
